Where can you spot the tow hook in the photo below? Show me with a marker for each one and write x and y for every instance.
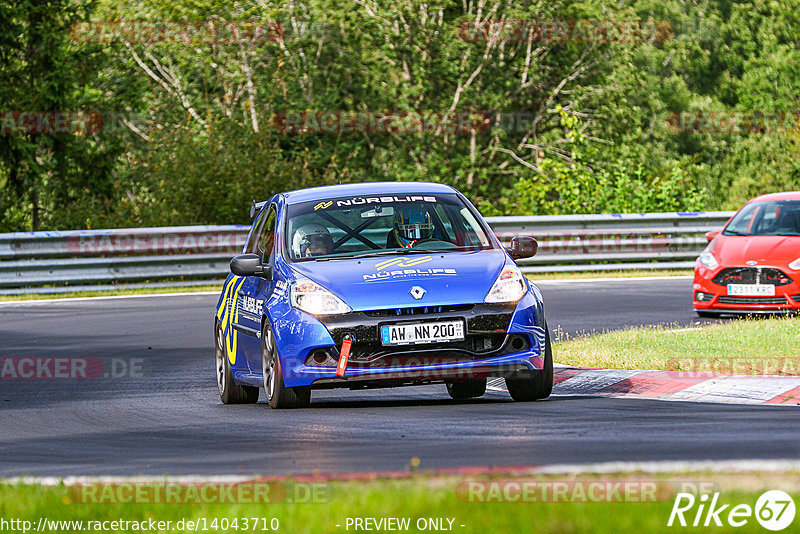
(344, 353)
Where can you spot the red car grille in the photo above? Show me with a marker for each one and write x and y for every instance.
(752, 300)
(752, 275)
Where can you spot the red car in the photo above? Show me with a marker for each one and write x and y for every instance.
(753, 264)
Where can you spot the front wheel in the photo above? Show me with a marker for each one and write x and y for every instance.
(278, 395)
(541, 384)
(229, 391)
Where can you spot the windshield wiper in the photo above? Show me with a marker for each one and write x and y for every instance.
(462, 249)
(732, 232)
(382, 252)
(396, 252)
(391, 252)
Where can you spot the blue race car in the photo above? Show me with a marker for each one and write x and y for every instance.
(378, 285)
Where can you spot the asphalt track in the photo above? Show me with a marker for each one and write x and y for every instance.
(167, 419)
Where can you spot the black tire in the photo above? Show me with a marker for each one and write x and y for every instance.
(466, 389)
(708, 314)
(540, 385)
(229, 391)
(278, 395)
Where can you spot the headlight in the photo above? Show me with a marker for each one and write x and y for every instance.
(708, 259)
(315, 299)
(795, 265)
(509, 287)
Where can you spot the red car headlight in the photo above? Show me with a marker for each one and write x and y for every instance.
(708, 259)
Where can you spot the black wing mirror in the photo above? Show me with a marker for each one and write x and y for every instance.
(523, 247)
(250, 265)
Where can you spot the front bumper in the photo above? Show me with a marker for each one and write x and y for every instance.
(710, 296)
(500, 340)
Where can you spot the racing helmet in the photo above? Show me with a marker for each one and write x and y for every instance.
(411, 224)
(312, 240)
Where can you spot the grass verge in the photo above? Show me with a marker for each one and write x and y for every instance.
(747, 346)
(557, 504)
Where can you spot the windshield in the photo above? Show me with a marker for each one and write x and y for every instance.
(776, 217)
(348, 227)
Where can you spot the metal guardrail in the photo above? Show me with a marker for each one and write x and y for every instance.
(612, 242)
(75, 260)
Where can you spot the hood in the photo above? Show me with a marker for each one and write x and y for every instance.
(386, 281)
(768, 250)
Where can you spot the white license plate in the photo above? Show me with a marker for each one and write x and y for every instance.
(752, 290)
(411, 334)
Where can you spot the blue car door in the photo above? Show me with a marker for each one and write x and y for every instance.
(251, 296)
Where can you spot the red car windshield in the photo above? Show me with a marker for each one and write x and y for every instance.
(774, 217)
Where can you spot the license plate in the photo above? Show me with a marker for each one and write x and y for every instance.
(752, 290)
(413, 334)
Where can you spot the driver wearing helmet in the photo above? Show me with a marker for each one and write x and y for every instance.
(412, 224)
(312, 240)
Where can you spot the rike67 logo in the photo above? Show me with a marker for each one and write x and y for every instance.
(774, 510)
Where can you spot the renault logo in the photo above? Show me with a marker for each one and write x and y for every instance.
(417, 292)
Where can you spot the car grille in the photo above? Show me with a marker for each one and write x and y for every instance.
(485, 335)
(473, 348)
(474, 343)
(796, 298)
(752, 275)
(752, 300)
(419, 310)
(373, 355)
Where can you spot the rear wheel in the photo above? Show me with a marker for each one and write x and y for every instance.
(540, 385)
(229, 391)
(278, 395)
(466, 389)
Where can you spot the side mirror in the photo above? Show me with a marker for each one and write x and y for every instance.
(250, 265)
(712, 234)
(523, 247)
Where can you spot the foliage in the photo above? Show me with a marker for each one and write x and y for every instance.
(53, 179)
(192, 130)
(572, 186)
